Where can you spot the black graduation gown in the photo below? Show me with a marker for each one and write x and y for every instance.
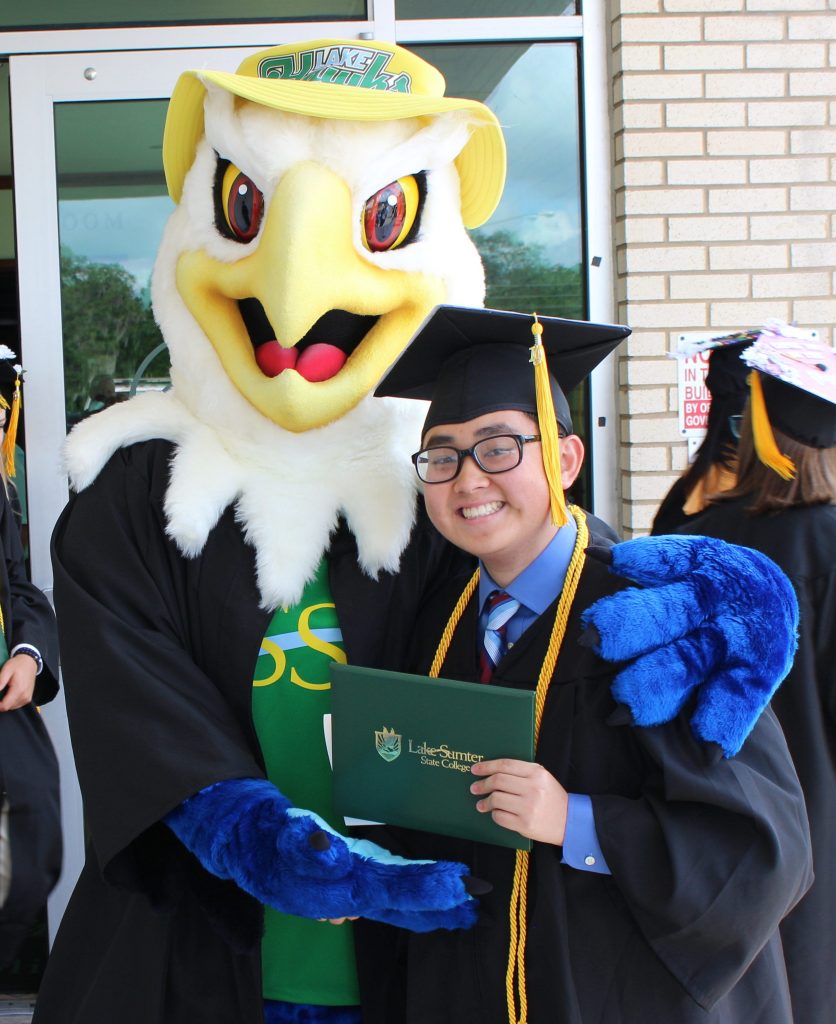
(158, 656)
(28, 766)
(705, 861)
(803, 542)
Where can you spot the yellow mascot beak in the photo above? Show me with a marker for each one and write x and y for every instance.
(337, 321)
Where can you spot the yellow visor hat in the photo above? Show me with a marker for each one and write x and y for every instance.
(350, 80)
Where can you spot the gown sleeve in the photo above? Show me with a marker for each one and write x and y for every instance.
(32, 618)
(150, 726)
(708, 858)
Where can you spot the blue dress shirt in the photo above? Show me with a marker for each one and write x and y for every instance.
(536, 588)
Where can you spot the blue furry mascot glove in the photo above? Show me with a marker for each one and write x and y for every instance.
(712, 615)
(292, 860)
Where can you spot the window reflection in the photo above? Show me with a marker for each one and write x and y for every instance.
(112, 207)
(482, 8)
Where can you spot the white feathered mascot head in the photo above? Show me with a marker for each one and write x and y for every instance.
(323, 191)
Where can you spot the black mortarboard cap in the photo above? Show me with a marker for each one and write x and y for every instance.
(469, 362)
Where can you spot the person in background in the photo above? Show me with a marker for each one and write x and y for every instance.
(12, 457)
(714, 468)
(30, 824)
(656, 882)
(784, 504)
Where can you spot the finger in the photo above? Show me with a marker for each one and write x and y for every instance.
(501, 783)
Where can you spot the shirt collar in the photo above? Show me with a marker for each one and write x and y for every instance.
(540, 583)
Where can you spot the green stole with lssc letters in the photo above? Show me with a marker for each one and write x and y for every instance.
(303, 961)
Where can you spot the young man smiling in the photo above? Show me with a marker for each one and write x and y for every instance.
(656, 881)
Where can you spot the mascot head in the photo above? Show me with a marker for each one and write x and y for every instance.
(323, 194)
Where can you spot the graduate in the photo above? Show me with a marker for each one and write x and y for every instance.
(658, 876)
(785, 506)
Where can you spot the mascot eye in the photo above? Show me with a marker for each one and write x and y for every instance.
(390, 216)
(241, 205)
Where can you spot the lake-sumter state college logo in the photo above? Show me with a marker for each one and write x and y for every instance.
(388, 743)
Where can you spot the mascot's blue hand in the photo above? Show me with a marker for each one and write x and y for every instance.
(292, 860)
(712, 616)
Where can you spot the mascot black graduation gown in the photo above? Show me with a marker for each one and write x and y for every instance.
(323, 194)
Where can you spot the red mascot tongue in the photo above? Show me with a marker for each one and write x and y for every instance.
(316, 363)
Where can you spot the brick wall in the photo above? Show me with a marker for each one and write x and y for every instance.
(724, 117)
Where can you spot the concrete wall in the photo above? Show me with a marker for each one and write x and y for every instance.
(724, 120)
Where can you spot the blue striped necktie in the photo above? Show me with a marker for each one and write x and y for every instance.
(500, 608)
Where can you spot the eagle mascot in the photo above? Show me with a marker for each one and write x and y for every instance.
(228, 539)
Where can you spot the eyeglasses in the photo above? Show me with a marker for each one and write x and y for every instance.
(497, 454)
(734, 425)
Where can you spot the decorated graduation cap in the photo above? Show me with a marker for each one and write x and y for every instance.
(469, 362)
(11, 375)
(793, 389)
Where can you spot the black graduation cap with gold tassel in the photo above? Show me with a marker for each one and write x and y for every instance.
(11, 376)
(469, 362)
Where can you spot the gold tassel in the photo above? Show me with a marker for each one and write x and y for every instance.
(768, 451)
(548, 426)
(10, 440)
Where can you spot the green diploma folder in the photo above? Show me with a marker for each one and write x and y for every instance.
(403, 747)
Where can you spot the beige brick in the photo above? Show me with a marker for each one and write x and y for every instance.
(790, 286)
(807, 225)
(747, 313)
(748, 257)
(813, 254)
(644, 401)
(709, 286)
(679, 457)
(645, 460)
(747, 200)
(638, 519)
(667, 315)
(790, 170)
(745, 83)
(705, 115)
(638, 115)
(708, 229)
(784, 6)
(661, 201)
(666, 29)
(813, 197)
(813, 83)
(663, 144)
(647, 343)
(820, 140)
(703, 57)
(651, 430)
(814, 311)
(643, 173)
(640, 6)
(706, 172)
(646, 288)
(746, 28)
(635, 372)
(812, 26)
(658, 87)
(664, 259)
(640, 57)
(786, 55)
(644, 229)
(641, 487)
(746, 143)
(787, 113)
(702, 6)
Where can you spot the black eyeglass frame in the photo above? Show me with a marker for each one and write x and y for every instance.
(462, 453)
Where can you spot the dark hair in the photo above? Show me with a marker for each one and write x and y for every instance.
(814, 482)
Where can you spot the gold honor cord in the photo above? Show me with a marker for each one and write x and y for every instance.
(515, 986)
